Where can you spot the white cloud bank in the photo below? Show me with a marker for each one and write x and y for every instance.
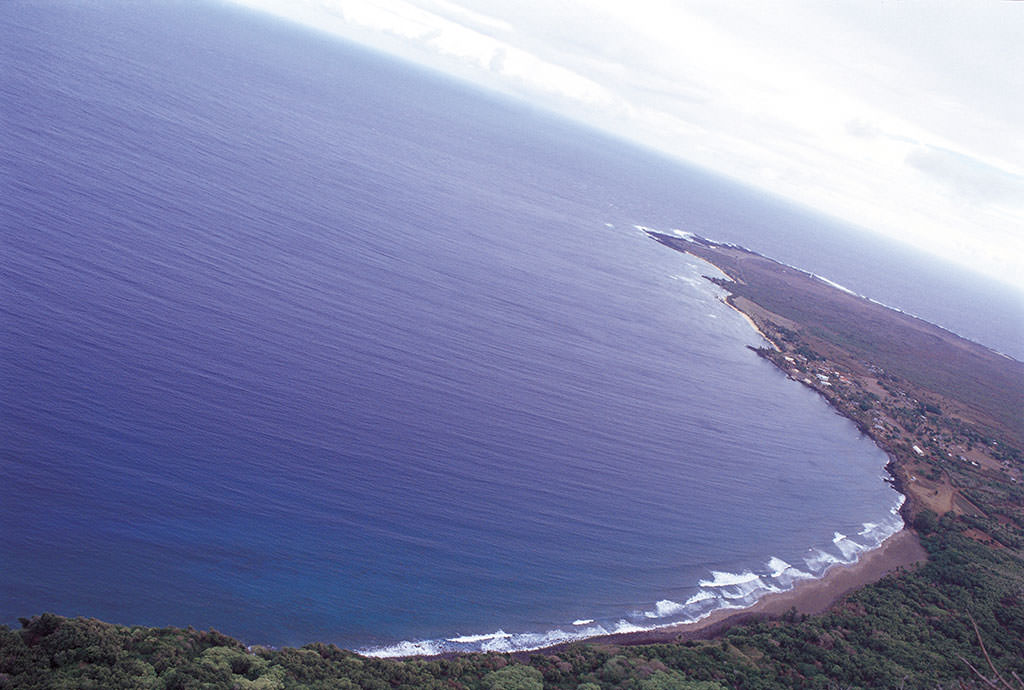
(905, 118)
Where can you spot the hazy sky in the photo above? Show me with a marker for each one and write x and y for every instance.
(903, 117)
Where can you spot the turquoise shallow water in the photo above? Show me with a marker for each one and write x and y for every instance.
(303, 344)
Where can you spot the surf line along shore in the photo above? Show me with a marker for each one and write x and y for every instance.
(811, 596)
(759, 289)
(808, 596)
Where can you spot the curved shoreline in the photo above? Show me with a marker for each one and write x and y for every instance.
(810, 596)
(814, 595)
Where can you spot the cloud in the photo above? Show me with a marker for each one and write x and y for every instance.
(892, 117)
(475, 20)
(862, 129)
(497, 63)
(969, 178)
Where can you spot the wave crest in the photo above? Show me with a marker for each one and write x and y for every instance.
(722, 590)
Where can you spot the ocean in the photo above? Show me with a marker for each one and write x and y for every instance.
(305, 344)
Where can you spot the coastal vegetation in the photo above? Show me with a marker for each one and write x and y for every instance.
(948, 413)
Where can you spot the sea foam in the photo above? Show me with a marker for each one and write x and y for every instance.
(720, 590)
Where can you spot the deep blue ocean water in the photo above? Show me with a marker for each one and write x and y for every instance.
(303, 344)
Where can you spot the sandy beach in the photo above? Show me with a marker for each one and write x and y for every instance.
(901, 550)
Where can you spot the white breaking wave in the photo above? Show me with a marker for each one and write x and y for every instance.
(738, 588)
(870, 536)
(723, 590)
(702, 595)
(720, 579)
(819, 561)
(784, 575)
(423, 648)
(848, 547)
(837, 285)
(469, 639)
(778, 566)
(692, 610)
(499, 641)
(665, 607)
(751, 592)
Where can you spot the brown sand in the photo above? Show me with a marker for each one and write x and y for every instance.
(901, 550)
